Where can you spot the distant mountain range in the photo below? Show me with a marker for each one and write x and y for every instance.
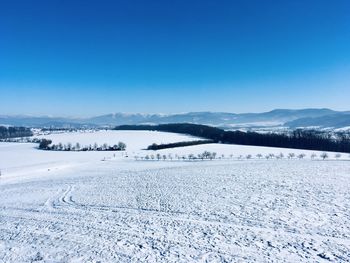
(322, 118)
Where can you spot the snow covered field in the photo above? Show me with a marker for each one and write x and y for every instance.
(73, 207)
(135, 140)
(23, 160)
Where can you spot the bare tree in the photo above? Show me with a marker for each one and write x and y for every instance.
(301, 156)
(259, 155)
(313, 156)
(324, 155)
(121, 146)
(77, 146)
(206, 155)
(291, 155)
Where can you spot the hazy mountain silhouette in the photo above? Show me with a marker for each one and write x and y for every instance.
(278, 117)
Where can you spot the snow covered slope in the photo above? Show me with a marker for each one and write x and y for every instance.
(122, 210)
(135, 140)
(23, 159)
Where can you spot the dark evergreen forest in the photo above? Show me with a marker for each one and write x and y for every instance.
(13, 132)
(297, 139)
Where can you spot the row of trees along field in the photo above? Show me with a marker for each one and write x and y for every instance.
(206, 155)
(155, 146)
(297, 139)
(12, 132)
(46, 144)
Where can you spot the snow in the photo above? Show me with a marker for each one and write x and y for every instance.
(23, 160)
(257, 124)
(135, 140)
(243, 150)
(343, 129)
(73, 207)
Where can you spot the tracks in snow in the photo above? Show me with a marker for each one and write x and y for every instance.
(183, 214)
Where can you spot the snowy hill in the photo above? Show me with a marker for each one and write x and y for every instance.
(59, 206)
(338, 120)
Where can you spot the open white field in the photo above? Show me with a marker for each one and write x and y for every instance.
(73, 207)
(241, 151)
(24, 160)
(135, 140)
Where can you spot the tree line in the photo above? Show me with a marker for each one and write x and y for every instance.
(46, 144)
(155, 146)
(13, 132)
(297, 139)
(206, 155)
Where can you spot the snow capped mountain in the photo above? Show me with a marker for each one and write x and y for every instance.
(277, 117)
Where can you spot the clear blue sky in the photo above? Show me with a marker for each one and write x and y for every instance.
(81, 58)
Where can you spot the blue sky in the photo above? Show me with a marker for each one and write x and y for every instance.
(82, 58)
